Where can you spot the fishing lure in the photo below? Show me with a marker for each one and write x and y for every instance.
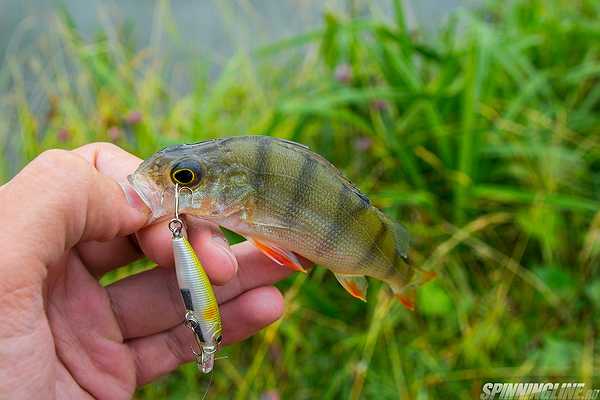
(286, 200)
(202, 311)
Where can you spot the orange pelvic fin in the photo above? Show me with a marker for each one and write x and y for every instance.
(280, 256)
(356, 285)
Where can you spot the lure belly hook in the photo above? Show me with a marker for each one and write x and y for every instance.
(202, 310)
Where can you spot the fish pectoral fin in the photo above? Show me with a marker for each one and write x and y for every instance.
(356, 285)
(279, 255)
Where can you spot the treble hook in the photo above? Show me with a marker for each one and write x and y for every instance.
(206, 359)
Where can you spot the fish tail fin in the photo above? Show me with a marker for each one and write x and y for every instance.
(410, 277)
(407, 293)
(406, 296)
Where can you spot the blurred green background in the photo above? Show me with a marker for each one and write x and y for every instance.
(480, 131)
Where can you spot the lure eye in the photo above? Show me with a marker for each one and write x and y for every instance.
(186, 172)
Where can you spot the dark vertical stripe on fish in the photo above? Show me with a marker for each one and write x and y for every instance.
(301, 196)
(347, 212)
(261, 166)
(371, 254)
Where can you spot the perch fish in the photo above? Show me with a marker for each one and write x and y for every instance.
(286, 200)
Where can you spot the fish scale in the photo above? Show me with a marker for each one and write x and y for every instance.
(287, 200)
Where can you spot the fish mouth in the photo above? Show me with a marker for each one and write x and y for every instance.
(150, 194)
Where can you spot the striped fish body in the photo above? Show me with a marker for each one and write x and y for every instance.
(287, 199)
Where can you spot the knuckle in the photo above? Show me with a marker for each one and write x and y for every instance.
(54, 157)
(61, 165)
(97, 147)
(66, 179)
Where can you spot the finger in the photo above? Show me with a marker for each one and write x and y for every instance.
(251, 311)
(149, 302)
(109, 159)
(212, 249)
(68, 199)
(146, 303)
(242, 317)
(102, 257)
(207, 240)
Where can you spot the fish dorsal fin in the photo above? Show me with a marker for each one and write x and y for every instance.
(325, 163)
(293, 144)
(356, 285)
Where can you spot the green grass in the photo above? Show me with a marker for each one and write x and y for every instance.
(484, 141)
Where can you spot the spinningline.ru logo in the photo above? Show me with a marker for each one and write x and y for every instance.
(538, 390)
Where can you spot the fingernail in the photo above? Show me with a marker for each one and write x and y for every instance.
(222, 243)
(133, 199)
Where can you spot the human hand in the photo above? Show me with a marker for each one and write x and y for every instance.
(66, 223)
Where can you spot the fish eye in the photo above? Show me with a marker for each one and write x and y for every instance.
(186, 172)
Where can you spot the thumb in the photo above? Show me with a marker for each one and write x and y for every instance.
(62, 198)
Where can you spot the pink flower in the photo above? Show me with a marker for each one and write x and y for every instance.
(133, 118)
(270, 395)
(63, 135)
(379, 104)
(343, 73)
(363, 143)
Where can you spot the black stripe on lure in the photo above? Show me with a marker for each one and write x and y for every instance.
(202, 310)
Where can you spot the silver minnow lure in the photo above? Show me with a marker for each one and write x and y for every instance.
(202, 310)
